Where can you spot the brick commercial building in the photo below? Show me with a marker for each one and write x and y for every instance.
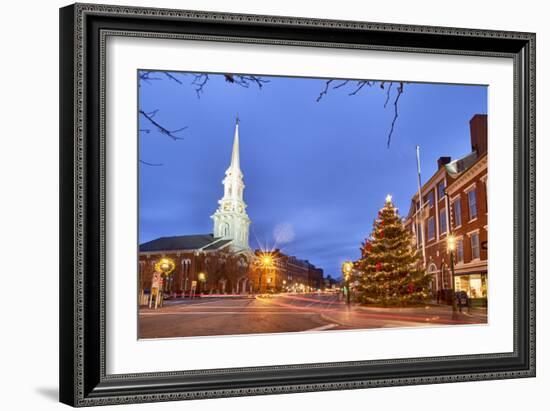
(289, 273)
(454, 203)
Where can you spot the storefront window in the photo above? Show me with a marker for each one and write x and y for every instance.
(475, 285)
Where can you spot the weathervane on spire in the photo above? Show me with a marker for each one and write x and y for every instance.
(237, 120)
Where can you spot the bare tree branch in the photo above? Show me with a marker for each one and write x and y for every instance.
(244, 81)
(342, 84)
(162, 129)
(150, 164)
(172, 77)
(387, 94)
(359, 85)
(325, 91)
(238, 79)
(396, 113)
(200, 81)
(147, 76)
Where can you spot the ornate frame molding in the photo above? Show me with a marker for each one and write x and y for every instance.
(84, 29)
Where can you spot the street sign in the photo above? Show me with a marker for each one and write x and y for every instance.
(157, 280)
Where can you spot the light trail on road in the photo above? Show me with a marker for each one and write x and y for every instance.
(285, 313)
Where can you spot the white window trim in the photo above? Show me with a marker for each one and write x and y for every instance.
(439, 198)
(433, 203)
(461, 238)
(428, 229)
(476, 231)
(436, 203)
(468, 198)
(441, 233)
(453, 208)
(470, 188)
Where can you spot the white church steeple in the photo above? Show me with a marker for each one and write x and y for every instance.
(235, 157)
(230, 219)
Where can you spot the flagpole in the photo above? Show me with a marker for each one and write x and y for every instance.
(421, 202)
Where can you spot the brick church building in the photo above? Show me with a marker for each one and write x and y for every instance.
(222, 262)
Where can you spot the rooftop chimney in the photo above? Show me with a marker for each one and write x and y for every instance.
(441, 161)
(478, 134)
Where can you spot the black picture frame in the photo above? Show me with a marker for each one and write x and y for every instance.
(83, 29)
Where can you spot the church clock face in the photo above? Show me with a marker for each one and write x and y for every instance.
(226, 207)
(240, 209)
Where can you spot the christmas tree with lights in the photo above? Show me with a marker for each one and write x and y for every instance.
(389, 271)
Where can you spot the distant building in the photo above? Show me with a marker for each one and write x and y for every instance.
(289, 273)
(330, 282)
(315, 278)
(454, 202)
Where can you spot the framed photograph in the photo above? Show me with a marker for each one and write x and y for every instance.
(260, 205)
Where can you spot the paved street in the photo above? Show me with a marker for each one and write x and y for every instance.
(285, 313)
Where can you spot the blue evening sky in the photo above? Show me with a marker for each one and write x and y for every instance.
(317, 171)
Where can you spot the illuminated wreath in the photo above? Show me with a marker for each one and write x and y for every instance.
(165, 266)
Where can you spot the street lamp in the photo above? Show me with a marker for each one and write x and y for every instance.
(451, 246)
(265, 260)
(202, 279)
(347, 268)
(164, 266)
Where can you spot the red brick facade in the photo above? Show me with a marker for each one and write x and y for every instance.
(225, 272)
(455, 203)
